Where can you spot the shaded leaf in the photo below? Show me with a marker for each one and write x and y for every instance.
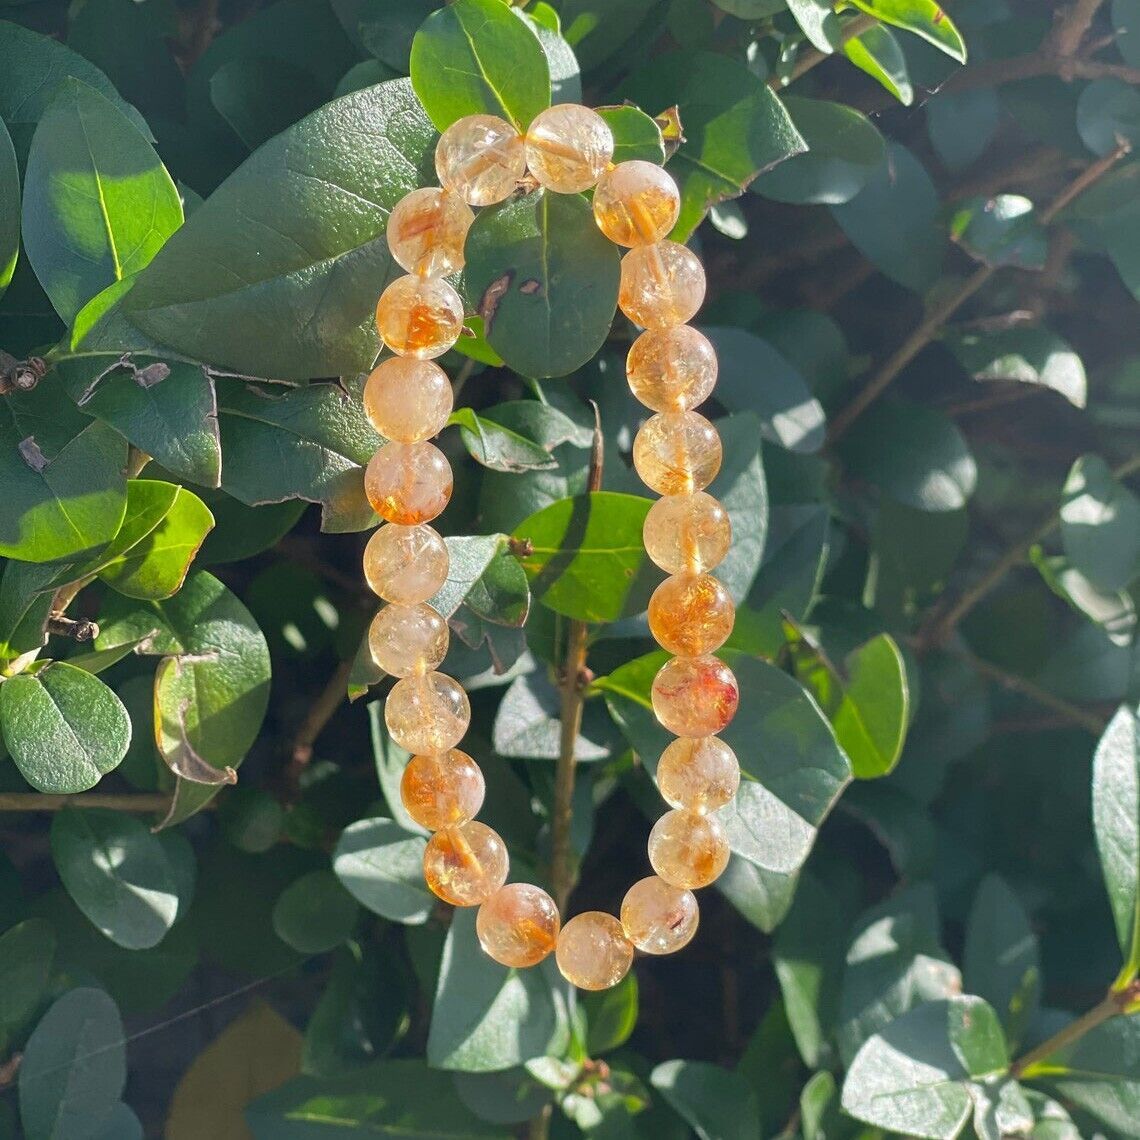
(381, 866)
(1000, 231)
(9, 208)
(717, 1103)
(1100, 524)
(1025, 355)
(314, 913)
(27, 952)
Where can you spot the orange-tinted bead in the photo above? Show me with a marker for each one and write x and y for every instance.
(698, 773)
(518, 925)
(427, 714)
(695, 696)
(406, 564)
(636, 203)
(661, 284)
(691, 614)
(466, 865)
(688, 850)
(426, 231)
(687, 533)
(405, 640)
(443, 790)
(672, 369)
(676, 453)
(407, 400)
(481, 158)
(593, 952)
(408, 483)
(419, 316)
(567, 147)
(658, 918)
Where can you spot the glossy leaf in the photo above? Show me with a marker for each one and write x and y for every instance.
(1027, 356)
(9, 208)
(877, 52)
(962, 124)
(611, 1016)
(381, 866)
(500, 447)
(636, 135)
(924, 18)
(1000, 231)
(1100, 524)
(819, 22)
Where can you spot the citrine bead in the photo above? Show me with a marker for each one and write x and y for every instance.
(428, 714)
(676, 453)
(672, 369)
(593, 952)
(467, 864)
(658, 918)
(568, 147)
(661, 284)
(427, 229)
(442, 790)
(406, 640)
(691, 614)
(481, 158)
(406, 564)
(636, 203)
(695, 696)
(419, 316)
(687, 533)
(700, 774)
(407, 399)
(688, 850)
(518, 925)
(408, 483)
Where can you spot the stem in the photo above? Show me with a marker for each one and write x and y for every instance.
(126, 801)
(1107, 1008)
(538, 1127)
(1073, 26)
(813, 56)
(320, 713)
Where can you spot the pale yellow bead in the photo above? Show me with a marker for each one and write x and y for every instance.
(481, 158)
(701, 774)
(407, 399)
(408, 483)
(466, 865)
(406, 564)
(691, 614)
(636, 203)
(687, 533)
(518, 925)
(407, 640)
(661, 284)
(419, 316)
(442, 791)
(426, 231)
(672, 369)
(676, 453)
(695, 696)
(567, 148)
(658, 918)
(427, 714)
(593, 952)
(688, 850)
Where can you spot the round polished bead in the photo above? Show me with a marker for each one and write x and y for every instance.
(687, 533)
(406, 640)
(695, 696)
(419, 316)
(698, 773)
(567, 148)
(481, 158)
(676, 453)
(672, 369)
(661, 284)
(467, 864)
(658, 918)
(442, 790)
(593, 952)
(518, 925)
(691, 614)
(636, 203)
(688, 850)
(427, 714)
(408, 483)
(406, 564)
(427, 229)
(407, 399)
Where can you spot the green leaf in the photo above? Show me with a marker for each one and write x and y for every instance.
(544, 279)
(819, 22)
(611, 1016)
(1126, 20)
(1025, 355)
(924, 18)
(844, 151)
(501, 448)
(314, 913)
(25, 601)
(636, 135)
(962, 124)
(717, 1103)
(1113, 610)
(74, 1068)
(1100, 524)
(1108, 110)
(565, 74)
(486, 1017)
(1001, 231)
(118, 874)
(527, 724)
(261, 96)
(63, 727)
(381, 866)
(877, 52)
(485, 576)
(493, 61)
(292, 244)
(98, 203)
(27, 953)
(9, 208)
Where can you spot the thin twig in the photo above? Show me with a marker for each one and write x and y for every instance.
(997, 72)
(126, 801)
(812, 57)
(1073, 26)
(319, 714)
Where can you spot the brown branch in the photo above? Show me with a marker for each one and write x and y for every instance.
(997, 72)
(1073, 26)
(320, 712)
(806, 60)
(127, 801)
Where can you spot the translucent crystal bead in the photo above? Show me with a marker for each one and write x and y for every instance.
(688, 850)
(691, 614)
(427, 229)
(636, 203)
(658, 918)
(466, 865)
(518, 925)
(701, 774)
(676, 453)
(695, 696)
(481, 158)
(443, 790)
(428, 714)
(407, 399)
(419, 316)
(406, 564)
(568, 147)
(687, 533)
(408, 483)
(661, 284)
(593, 952)
(672, 369)
(406, 640)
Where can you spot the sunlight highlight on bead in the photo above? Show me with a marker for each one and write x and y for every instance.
(408, 483)
(466, 865)
(407, 400)
(695, 696)
(481, 158)
(593, 952)
(406, 640)
(427, 229)
(568, 147)
(518, 925)
(658, 918)
(687, 533)
(419, 316)
(661, 284)
(442, 791)
(672, 369)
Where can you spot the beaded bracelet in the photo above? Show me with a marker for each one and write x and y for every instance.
(671, 369)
